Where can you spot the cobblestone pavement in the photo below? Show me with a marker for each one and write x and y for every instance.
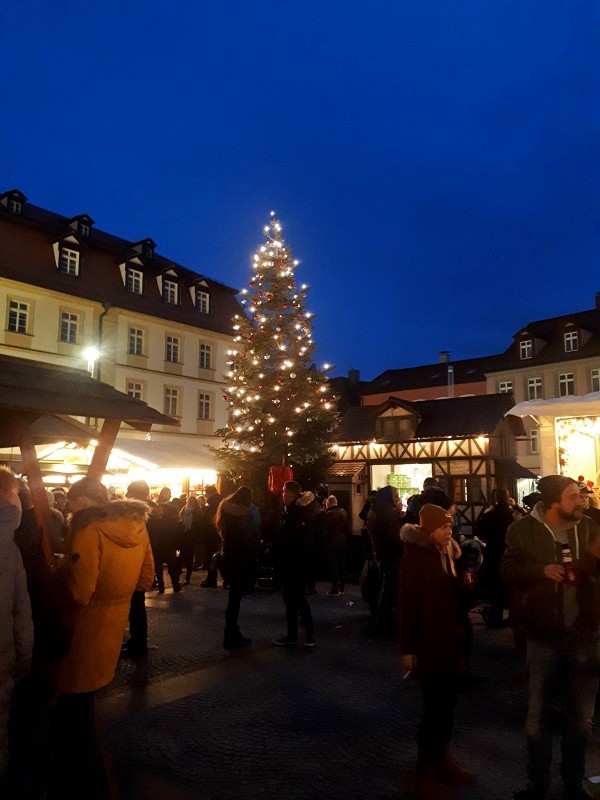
(334, 722)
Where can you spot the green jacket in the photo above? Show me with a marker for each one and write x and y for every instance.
(538, 601)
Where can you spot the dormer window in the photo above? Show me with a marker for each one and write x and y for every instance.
(170, 292)
(82, 224)
(526, 349)
(14, 206)
(13, 201)
(134, 281)
(84, 229)
(571, 341)
(202, 301)
(145, 248)
(68, 261)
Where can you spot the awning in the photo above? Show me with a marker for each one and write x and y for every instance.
(170, 453)
(510, 468)
(343, 471)
(587, 405)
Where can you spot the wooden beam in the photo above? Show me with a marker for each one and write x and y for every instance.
(106, 442)
(41, 506)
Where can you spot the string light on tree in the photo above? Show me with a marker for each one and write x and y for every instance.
(272, 372)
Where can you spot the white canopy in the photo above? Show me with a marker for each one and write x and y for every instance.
(587, 405)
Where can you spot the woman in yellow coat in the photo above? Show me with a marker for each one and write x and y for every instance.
(107, 557)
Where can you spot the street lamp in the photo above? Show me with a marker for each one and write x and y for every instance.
(92, 354)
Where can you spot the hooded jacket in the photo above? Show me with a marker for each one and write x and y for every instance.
(296, 546)
(336, 530)
(239, 528)
(109, 557)
(431, 625)
(538, 602)
(16, 627)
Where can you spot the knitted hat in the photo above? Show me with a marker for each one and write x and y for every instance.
(433, 517)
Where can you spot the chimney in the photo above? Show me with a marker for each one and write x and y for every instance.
(444, 356)
(597, 299)
(354, 376)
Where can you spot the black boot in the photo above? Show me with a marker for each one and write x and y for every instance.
(211, 581)
(234, 639)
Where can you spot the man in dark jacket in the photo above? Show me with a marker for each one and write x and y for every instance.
(552, 562)
(336, 530)
(431, 494)
(295, 550)
(491, 529)
(384, 523)
(212, 542)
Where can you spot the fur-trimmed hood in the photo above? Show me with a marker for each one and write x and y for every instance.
(121, 520)
(305, 499)
(415, 535)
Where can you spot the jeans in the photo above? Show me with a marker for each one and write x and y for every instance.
(437, 723)
(294, 594)
(337, 560)
(571, 667)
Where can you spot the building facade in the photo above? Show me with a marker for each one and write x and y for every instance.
(76, 296)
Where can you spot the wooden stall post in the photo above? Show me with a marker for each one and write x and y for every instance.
(106, 442)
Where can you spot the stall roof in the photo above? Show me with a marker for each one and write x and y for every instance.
(587, 405)
(164, 453)
(437, 419)
(33, 389)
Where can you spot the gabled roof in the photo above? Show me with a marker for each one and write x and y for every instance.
(468, 370)
(452, 417)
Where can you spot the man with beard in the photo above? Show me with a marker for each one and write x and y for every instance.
(552, 562)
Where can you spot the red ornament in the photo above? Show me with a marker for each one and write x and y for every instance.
(277, 477)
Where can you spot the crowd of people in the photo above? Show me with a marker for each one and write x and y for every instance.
(63, 629)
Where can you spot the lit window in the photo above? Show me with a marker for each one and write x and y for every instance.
(505, 387)
(169, 292)
(68, 327)
(136, 342)
(14, 206)
(68, 261)
(18, 316)
(171, 405)
(202, 301)
(135, 390)
(203, 406)
(205, 356)
(534, 441)
(172, 349)
(526, 349)
(135, 281)
(566, 384)
(595, 382)
(571, 341)
(534, 388)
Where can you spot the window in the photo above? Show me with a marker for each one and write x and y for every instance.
(534, 388)
(566, 384)
(169, 292)
(135, 390)
(172, 349)
(68, 327)
(505, 387)
(205, 356)
(171, 405)
(14, 206)
(534, 441)
(595, 382)
(18, 316)
(571, 341)
(526, 349)
(84, 229)
(394, 427)
(203, 406)
(136, 342)
(202, 301)
(68, 261)
(134, 281)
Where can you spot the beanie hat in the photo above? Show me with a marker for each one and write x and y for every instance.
(433, 517)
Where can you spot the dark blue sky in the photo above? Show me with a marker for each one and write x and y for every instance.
(435, 163)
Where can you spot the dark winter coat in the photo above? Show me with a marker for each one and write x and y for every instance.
(239, 528)
(336, 529)
(166, 528)
(296, 546)
(431, 624)
(538, 601)
(384, 524)
(491, 529)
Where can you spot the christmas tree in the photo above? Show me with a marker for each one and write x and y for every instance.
(281, 408)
